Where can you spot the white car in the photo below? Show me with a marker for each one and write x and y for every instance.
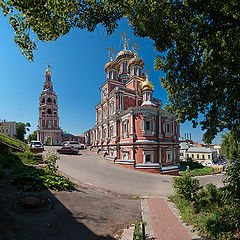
(36, 145)
(74, 144)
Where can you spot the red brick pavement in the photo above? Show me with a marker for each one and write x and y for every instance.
(165, 224)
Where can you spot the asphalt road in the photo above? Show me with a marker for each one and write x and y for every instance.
(91, 169)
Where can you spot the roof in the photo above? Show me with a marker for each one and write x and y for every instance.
(183, 145)
(201, 150)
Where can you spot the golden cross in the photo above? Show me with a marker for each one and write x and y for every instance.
(125, 39)
(135, 48)
(48, 66)
(111, 50)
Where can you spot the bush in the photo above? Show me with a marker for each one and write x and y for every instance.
(28, 178)
(51, 163)
(187, 187)
(211, 213)
(58, 183)
(27, 157)
(192, 165)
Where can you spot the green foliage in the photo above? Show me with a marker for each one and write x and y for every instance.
(13, 142)
(186, 186)
(200, 171)
(58, 183)
(192, 165)
(21, 130)
(231, 147)
(32, 136)
(48, 141)
(212, 215)
(27, 157)
(138, 233)
(198, 43)
(28, 178)
(51, 163)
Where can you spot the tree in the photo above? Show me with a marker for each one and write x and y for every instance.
(231, 148)
(32, 136)
(21, 130)
(198, 42)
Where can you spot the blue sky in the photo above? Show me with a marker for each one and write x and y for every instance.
(77, 60)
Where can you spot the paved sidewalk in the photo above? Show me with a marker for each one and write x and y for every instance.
(162, 224)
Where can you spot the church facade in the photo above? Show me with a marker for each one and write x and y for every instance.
(48, 123)
(131, 128)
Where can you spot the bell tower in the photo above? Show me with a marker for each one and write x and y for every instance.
(48, 123)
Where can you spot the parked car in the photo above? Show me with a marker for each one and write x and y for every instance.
(36, 146)
(74, 144)
(68, 150)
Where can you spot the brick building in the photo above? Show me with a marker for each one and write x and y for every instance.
(48, 123)
(131, 128)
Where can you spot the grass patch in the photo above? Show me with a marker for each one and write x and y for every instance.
(196, 169)
(200, 171)
(13, 142)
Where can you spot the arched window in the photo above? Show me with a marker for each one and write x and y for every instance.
(49, 111)
(43, 100)
(54, 101)
(49, 100)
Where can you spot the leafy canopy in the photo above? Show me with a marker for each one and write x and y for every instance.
(198, 42)
(21, 130)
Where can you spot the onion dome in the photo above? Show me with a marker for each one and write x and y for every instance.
(147, 85)
(48, 72)
(125, 53)
(136, 61)
(111, 65)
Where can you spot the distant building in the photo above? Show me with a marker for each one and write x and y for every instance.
(73, 137)
(198, 152)
(203, 155)
(183, 150)
(8, 128)
(218, 149)
(48, 123)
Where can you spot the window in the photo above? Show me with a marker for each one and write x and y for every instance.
(192, 155)
(209, 156)
(197, 156)
(168, 128)
(125, 156)
(124, 67)
(148, 126)
(188, 155)
(7, 130)
(203, 157)
(111, 131)
(148, 158)
(169, 156)
(2, 130)
(135, 71)
(49, 100)
(54, 101)
(49, 111)
(181, 154)
(43, 100)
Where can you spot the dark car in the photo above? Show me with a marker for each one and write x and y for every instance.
(68, 150)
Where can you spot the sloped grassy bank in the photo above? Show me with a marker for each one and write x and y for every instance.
(30, 177)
